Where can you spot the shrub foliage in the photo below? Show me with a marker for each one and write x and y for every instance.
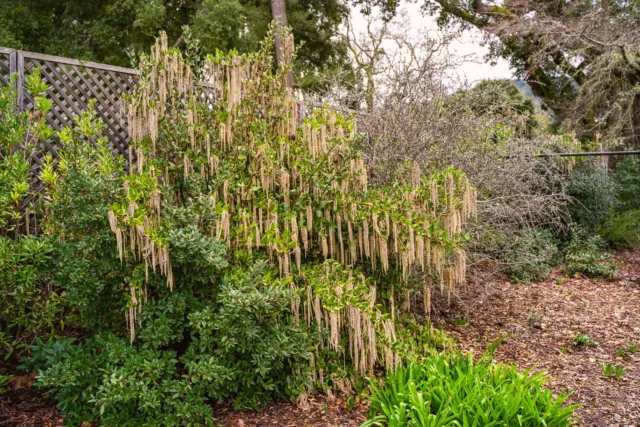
(531, 255)
(594, 195)
(27, 305)
(586, 255)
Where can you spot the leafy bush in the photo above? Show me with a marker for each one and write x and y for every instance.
(447, 390)
(593, 193)
(19, 135)
(586, 254)
(27, 305)
(627, 177)
(105, 378)
(244, 348)
(241, 348)
(532, 254)
(622, 230)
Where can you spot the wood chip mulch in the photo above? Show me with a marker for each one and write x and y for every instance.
(540, 321)
(322, 412)
(27, 407)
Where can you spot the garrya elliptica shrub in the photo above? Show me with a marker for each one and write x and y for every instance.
(273, 185)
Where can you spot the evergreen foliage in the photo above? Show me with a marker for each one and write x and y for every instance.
(593, 195)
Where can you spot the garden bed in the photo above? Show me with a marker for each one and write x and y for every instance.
(540, 321)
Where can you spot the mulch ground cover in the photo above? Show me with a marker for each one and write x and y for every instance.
(322, 412)
(23, 405)
(538, 322)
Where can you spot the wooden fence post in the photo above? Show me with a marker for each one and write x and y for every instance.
(13, 69)
(20, 82)
(16, 66)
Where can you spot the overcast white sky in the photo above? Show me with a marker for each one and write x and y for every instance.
(468, 44)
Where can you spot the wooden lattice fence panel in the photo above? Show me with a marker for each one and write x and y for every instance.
(73, 84)
(5, 65)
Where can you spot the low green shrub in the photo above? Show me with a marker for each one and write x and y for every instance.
(453, 390)
(186, 352)
(26, 307)
(627, 176)
(105, 378)
(244, 348)
(586, 255)
(594, 196)
(531, 256)
(622, 230)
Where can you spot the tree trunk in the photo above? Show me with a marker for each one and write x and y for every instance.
(635, 119)
(371, 91)
(279, 14)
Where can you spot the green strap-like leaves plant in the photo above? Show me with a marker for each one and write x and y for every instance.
(453, 390)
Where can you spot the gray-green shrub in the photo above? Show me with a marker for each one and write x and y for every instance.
(627, 177)
(622, 230)
(586, 254)
(594, 195)
(531, 255)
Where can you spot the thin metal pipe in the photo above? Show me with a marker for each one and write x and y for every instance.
(585, 154)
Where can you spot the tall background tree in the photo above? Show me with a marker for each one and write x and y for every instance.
(279, 15)
(114, 31)
(580, 57)
(502, 98)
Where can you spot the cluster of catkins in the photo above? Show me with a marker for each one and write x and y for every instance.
(363, 325)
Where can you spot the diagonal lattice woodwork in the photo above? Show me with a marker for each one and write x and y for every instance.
(73, 85)
(5, 66)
